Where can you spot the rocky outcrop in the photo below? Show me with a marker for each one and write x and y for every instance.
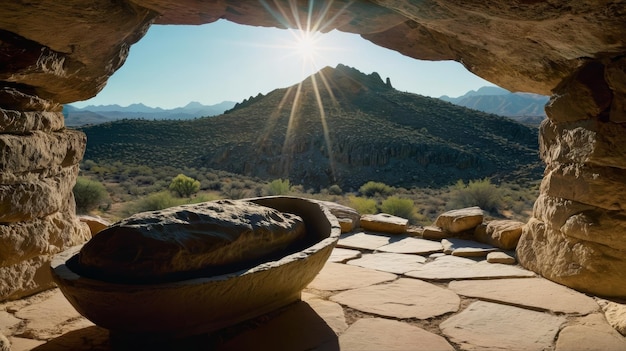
(65, 51)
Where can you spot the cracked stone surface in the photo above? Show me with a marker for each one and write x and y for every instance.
(363, 241)
(342, 255)
(412, 246)
(348, 307)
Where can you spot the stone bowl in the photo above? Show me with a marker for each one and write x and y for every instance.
(203, 304)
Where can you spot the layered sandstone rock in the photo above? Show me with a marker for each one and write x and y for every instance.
(576, 234)
(59, 52)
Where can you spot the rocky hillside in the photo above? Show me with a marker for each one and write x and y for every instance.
(351, 129)
(522, 107)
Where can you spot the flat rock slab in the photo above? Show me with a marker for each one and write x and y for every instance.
(387, 335)
(490, 326)
(403, 298)
(331, 312)
(534, 293)
(363, 241)
(466, 248)
(590, 333)
(452, 267)
(342, 255)
(337, 276)
(412, 246)
(384, 223)
(458, 221)
(389, 262)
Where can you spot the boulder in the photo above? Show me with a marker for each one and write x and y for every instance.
(435, 233)
(500, 233)
(459, 221)
(348, 217)
(176, 243)
(384, 223)
(96, 224)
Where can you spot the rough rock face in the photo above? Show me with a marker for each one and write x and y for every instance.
(59, 52)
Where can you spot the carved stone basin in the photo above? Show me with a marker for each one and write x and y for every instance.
(203, 304)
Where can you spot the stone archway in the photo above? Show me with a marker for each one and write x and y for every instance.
(53, 53)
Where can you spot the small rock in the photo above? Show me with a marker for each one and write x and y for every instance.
(502, 233)
(384, 223)
(458, 221)
(432, 232)
(465, 248)
(615, 314)
(500, 257)
(96, 224)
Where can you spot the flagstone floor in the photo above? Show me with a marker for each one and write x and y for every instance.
(377, 292)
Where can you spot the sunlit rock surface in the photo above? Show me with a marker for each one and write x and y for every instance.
(59, 52)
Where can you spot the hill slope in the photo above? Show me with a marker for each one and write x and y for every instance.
(523, 107)
(358, 128)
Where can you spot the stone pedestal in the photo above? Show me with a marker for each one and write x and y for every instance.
(38, 169)
(576, 234)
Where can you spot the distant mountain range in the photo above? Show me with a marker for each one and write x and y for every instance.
(91, 114)
(523, 107)
(355, 128)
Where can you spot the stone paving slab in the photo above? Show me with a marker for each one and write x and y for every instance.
(451, 267)
(389, 262)
(331, 312)
(490, 326)
(501, 257)
(342, 255)
(535, 293)
(363, 241)
(589, 334)
(337, 276)
(403, 298)
(377, 334)
(412, 246)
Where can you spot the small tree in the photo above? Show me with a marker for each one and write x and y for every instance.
(480, 192)
(184, 186)
(88, 194)
(362, 205)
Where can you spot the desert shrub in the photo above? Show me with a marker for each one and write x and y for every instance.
(154, 202)
(335, 190)
(184, 186)
(362, 205)
(88, 194)
(371, 189)
(481, 193)
(396, 206)
(278, 187)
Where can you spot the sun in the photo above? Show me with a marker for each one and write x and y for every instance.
(306, 44)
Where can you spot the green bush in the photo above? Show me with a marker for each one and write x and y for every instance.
(335, 190)
(396, 206)
(278, 187)
(184, 186)
(371, 189)
(155, 202)
(362, 205)
(88, 194)
(481, 193)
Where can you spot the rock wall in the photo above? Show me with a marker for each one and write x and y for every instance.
(577, 231)
(54, 52)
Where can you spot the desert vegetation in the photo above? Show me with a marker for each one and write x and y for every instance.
(117, 190)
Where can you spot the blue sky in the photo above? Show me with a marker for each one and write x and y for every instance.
(220, 61)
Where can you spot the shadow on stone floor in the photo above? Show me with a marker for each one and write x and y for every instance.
(296, 327)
